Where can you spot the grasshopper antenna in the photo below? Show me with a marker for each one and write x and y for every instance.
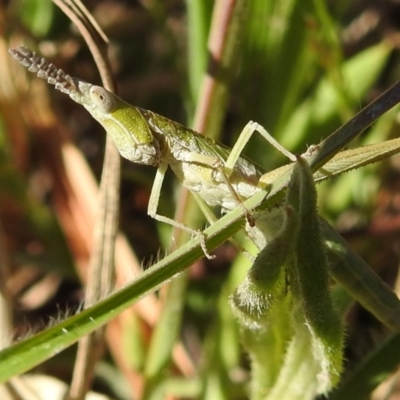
(44, 69)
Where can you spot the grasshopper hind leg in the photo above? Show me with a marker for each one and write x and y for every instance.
(235, 153)
(245, 136)
(221, 168)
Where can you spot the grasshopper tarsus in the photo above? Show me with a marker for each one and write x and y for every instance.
(250, 220)
(203, 245)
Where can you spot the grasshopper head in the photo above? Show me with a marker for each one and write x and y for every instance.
(125, 123)
(96, 99)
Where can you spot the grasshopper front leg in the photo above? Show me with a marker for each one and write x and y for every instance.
(153, 205)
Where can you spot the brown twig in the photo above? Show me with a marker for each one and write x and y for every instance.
(223, 46)
(210, 108)
(224, 43)
(101, 278)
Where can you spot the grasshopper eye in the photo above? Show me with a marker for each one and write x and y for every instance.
(102, 98)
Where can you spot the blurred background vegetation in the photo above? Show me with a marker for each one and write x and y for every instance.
(305, 67)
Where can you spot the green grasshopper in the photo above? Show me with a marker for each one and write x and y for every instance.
(217, 174)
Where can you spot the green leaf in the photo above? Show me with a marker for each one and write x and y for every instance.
(319, 114)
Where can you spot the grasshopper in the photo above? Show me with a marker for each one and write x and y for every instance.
(216, 173)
